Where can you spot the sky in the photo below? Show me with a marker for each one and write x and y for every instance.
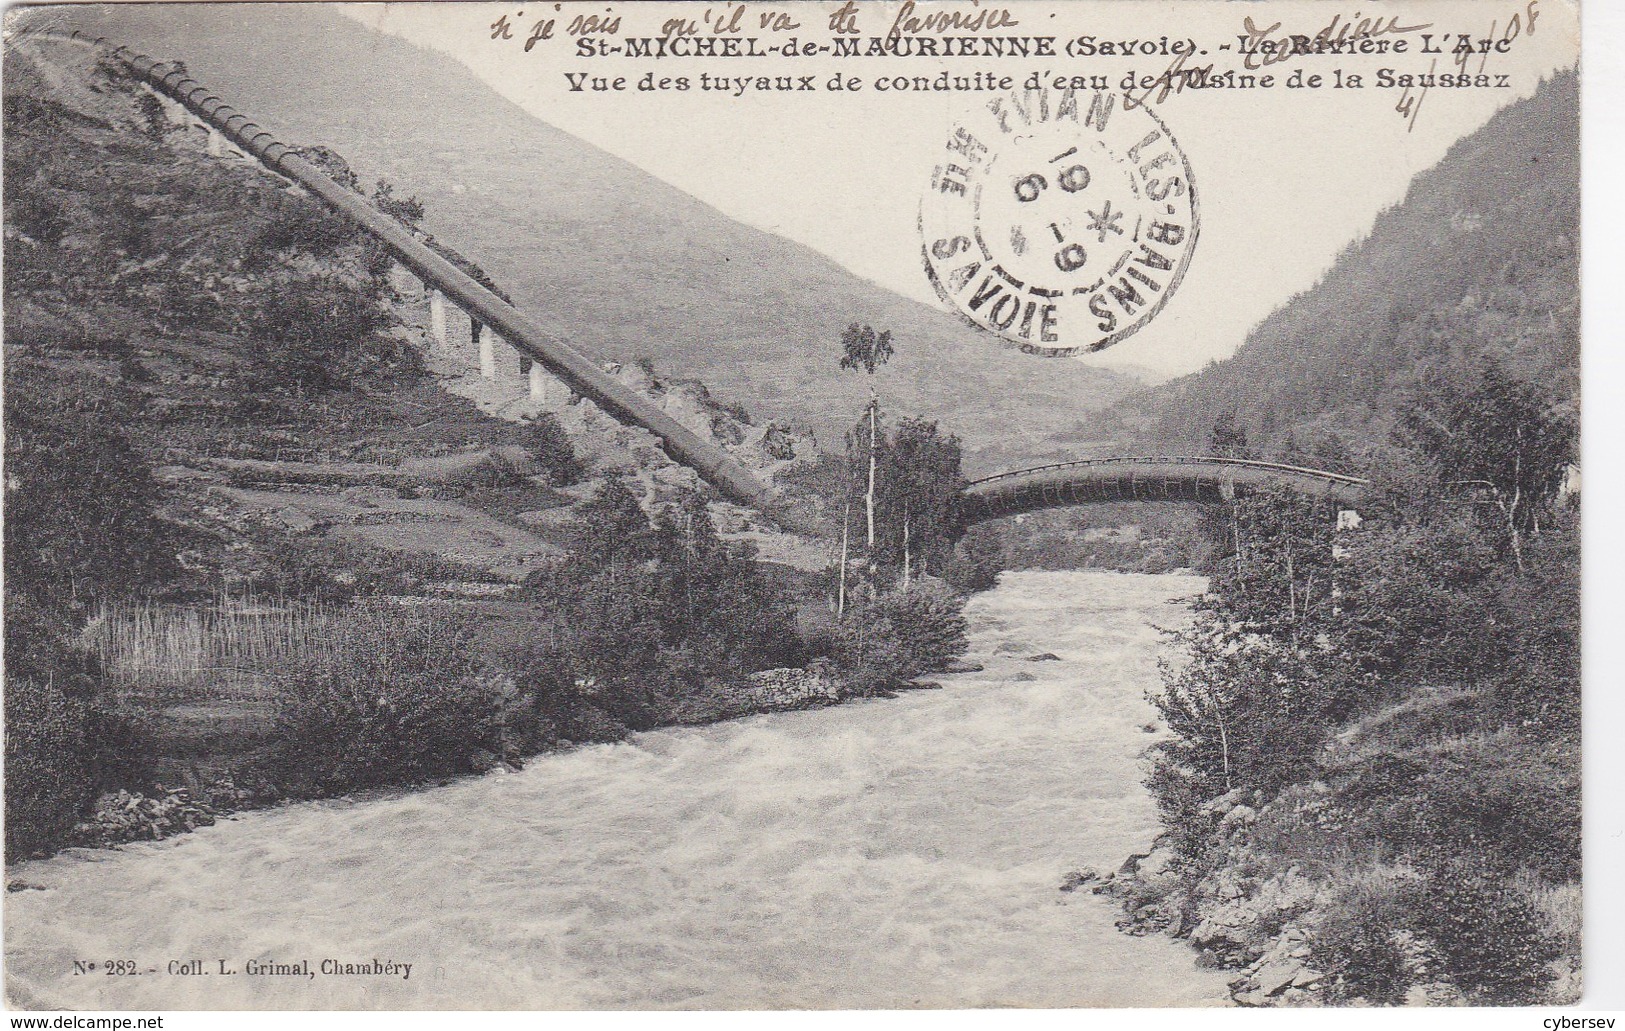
(1285, 178)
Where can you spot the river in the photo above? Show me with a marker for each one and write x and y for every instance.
(898, 852)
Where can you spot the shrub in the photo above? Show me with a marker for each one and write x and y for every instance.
(377, 258)
(408, 211)
(975, 563)
(305, 226)
(151, 111)
(1489, 937)
(311, 339)
(1374, 965)
(1246, 711)
(901, 635)
(394, 701)
(646, 615)
(80, 501)
(1511, 804)
(737, 412)
(1360, 942)
(62, 745)
(31, 207)
(554, 452)
(49, 782)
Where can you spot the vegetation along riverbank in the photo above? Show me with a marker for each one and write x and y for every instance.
(1371, 787)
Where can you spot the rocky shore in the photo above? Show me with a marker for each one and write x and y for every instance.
(1234, 918)
(1245, 909)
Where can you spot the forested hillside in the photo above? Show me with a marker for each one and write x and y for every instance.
(1479, 262)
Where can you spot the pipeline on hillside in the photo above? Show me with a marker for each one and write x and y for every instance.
(731, 478)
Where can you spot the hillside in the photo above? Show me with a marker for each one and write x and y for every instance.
(230, 433)
(624, 265)
(256, 354)
(1479, 261)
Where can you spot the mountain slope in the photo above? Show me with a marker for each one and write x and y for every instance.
(624, 265)
(1480, 261)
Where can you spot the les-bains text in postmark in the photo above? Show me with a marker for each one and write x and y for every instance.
(1060, 220)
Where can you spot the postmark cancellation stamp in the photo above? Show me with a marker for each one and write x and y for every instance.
(1061, 221)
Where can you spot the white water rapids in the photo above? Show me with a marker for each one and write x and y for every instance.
(900, 852)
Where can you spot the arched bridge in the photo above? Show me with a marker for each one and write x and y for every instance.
(1146, 478)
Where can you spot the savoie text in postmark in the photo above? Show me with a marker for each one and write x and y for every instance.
(1060, 220)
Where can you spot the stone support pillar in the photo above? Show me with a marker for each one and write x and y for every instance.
(488, 352)
(538, 382)
(437, 318)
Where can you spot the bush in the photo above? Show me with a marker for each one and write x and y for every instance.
(901, 635)
(305, 226)
(50, 783)
(1246, 712)
(80, 501)
(975, 563)
(1490, 939)
(63, 746)
(311, 339)
(396, 700)
(1509, 802)
(1359, 941)
(553, 450)
(1374, 965)
(32, 208)
(153, 121)
(648, 615)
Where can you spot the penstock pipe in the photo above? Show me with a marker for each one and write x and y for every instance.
(732, 479)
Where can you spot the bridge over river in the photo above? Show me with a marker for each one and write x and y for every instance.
(1200, 479)
(1203, 479)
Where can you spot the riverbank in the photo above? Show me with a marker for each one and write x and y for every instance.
(1372, 794)
(891, 852)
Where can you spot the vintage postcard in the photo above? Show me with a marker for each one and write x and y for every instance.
(762, 504)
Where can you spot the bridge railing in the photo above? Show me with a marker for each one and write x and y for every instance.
(1248, 463)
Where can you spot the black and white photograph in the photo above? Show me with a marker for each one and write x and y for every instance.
(799, 505)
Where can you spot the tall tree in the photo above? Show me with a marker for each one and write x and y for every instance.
(613, 526)
(863, 348)
(1228, 438)
(1500, 436)
(920, 498)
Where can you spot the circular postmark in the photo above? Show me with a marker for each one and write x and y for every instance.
(1060, 220)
